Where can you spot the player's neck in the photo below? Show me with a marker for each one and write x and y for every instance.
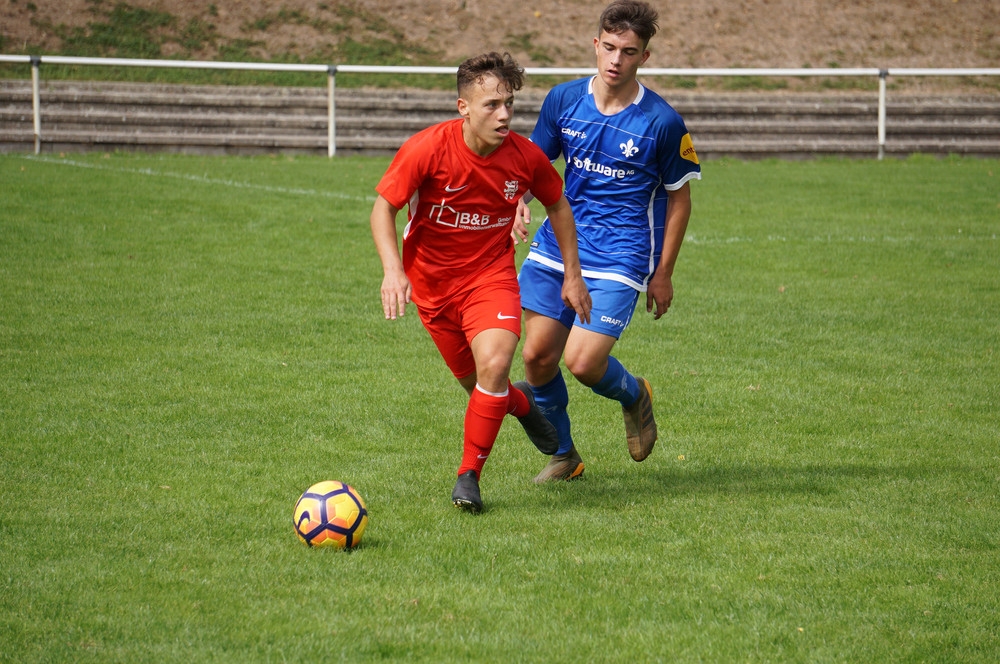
(476, 143)
(611, 100)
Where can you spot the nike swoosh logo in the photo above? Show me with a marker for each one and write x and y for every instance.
(502, 317)
(452, 190)
(480, 456)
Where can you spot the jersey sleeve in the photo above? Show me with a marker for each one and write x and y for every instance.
(546, 184)
(546, 132)
(405, 173)
(678, 161)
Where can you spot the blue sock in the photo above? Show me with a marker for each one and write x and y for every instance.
(618, 384)
(552, 399)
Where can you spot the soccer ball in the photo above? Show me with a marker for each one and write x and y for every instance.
(330, 514)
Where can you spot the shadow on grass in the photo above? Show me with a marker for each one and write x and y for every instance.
(639, 484)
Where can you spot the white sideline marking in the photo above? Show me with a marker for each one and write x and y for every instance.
(692, 238)
(204, 180)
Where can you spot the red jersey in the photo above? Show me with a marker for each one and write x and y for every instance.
(461, 207)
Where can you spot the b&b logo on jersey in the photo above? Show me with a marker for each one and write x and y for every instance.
(446, 215)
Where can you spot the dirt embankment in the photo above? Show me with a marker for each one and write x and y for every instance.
(710, 33)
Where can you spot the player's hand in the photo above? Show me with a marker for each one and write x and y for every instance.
(576, 296)
(396, 292)
(522, 217)
(659, 293)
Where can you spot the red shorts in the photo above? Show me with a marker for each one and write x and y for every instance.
(456, 324)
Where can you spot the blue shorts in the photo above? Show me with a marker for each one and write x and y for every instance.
(614, 302)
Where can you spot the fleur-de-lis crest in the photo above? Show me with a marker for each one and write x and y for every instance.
(629, 149)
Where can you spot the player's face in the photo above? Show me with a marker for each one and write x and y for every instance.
(618, 57)
(487, 108)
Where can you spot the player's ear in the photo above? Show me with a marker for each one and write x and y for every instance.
(463, 107)
(645, 56)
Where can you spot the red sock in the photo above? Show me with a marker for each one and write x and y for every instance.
(483, 418)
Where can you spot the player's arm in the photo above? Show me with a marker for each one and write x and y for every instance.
(522, 217)
(396, 289)
(574, 290)
(660, 289)
(546, 136)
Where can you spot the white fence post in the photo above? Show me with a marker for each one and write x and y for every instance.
(882, 74)
(36, 104)
(331, 112)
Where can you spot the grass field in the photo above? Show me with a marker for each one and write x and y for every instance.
(187, 343)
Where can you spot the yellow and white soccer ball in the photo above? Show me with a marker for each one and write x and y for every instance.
(332, 514)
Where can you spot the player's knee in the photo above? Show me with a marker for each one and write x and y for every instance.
(493, 370)
(586, 369)
(539, 359)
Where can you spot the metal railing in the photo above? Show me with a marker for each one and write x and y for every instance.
(331, 72)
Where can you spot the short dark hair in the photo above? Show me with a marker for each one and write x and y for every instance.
(634, 15)
(500, 65)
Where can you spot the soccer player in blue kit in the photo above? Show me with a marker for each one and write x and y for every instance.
(629, 163)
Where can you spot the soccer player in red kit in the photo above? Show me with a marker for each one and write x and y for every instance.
(461, 181)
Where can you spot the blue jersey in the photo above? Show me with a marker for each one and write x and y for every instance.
(619, 170)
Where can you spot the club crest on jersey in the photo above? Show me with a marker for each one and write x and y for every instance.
(510, 189)
(629, 149)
